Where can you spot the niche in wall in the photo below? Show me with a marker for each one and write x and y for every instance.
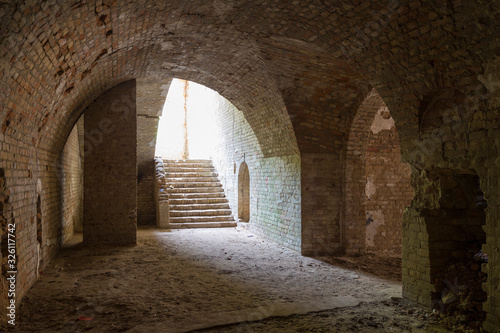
(244, 193)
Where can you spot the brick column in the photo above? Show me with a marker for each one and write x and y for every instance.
(110, 175)
(321, 204)
(150, 100)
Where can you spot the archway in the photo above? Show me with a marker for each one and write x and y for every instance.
(377, 185)
(244, 193)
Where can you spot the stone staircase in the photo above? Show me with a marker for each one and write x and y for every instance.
(196, 197)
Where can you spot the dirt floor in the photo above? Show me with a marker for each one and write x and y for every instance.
(215, 280)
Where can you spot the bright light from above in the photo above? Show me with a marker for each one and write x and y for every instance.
(190, 104)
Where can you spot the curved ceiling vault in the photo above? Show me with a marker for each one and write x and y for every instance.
(265, 56)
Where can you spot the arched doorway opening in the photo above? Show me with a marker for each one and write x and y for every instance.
(244, 193)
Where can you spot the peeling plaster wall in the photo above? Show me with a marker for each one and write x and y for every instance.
(376, 182)
(388, 188)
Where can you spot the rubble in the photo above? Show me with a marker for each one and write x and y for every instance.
(459, 296)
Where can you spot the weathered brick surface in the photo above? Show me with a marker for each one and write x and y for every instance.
(150, 100)
(110, 174)
(72, 186)
(317, 59)
(388, 190)
(321, 181)
(355, 174)
(377, 185)
(274, 181)
(30, 174)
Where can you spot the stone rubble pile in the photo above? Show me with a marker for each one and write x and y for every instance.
(458, 302)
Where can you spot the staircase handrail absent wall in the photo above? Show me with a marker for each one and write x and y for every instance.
(161, 195)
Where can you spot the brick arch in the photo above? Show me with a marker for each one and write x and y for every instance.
(402, 48)
(355, 173)
(374, 200)
(48, 101)
(263, 105)
(53, 45)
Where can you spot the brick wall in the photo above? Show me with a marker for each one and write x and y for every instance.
(110, 175)
(72, 186)
(29, 174)
(388, 190)
(377, 184)
(321, 181)
(274, 181)
(59, 56)
(150, 100)
(466, 131)
(354, 226)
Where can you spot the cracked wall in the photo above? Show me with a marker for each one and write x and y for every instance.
(377, 184)
(319, 58)
(390, 190)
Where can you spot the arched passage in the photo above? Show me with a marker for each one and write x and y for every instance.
(244, 193)
(59, 56)
(376, 184)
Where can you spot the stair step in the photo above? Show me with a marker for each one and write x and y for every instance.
(193, 184)
(195, 195)
(188, 165)
(200, 201)
(171, 186)
(200, 213)
(187, 207)
(193, 179)
(202, 225)
(190, 174)
(187, 161)
(193, 219)
(196, 190)
(187, 170)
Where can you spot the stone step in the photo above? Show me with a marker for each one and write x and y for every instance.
(200, 201)
(187, 161)
(188, 165)
(200, 213)
(190, 174)
(177, 207)
(202, 225)
(193, 184)
(194, 195)
(187, 170)
(199, 219)
(192, 179)
(196, 190)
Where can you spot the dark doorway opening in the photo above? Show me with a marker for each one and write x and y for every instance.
(456, 237)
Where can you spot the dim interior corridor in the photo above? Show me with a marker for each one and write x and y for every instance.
(209, 280)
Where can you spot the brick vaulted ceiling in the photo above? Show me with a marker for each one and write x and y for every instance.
(315, 59)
